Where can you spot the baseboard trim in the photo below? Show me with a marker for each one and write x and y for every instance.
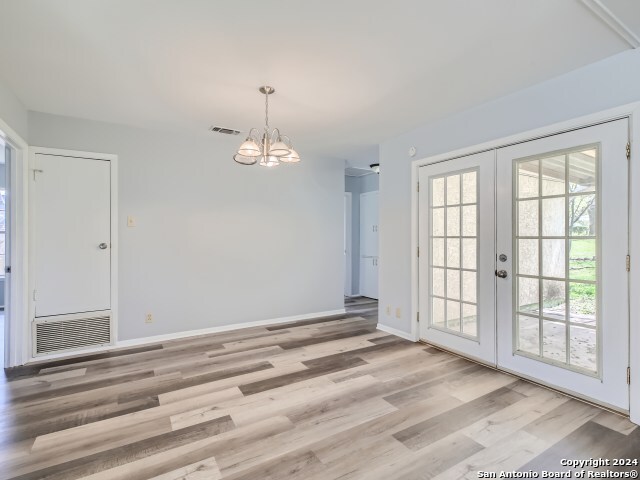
(189, 333)
(227, 328)
(396, 332)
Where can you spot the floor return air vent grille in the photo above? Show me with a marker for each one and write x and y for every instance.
(53, 335)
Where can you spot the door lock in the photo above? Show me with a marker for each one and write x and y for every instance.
(103, 246)
(502, 257)
(501, 273)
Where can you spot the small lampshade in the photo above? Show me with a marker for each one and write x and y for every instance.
(293, 157)
(279, 149)
(244, 160)
(249, 148)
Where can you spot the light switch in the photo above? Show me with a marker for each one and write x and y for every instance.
(398, 313)
(131, 221)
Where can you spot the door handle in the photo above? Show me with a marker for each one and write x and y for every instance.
(501, 273)
(103, 246)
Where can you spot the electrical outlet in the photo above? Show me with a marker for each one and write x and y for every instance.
(388, 310)
(398, 312)
(131, 221)
(148, 318)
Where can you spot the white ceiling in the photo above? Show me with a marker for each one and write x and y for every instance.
(348, 73)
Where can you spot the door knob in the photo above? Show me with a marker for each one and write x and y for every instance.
(501, 273)
(103, 246)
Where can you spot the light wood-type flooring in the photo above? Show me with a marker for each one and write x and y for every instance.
(329, 398)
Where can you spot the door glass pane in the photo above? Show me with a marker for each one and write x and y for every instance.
(582, 260)
(469, 259)
(528, 257)
(437, 282)
(453, 221)
(469, 220)
(453, 190)
(454, 209)
(582, 171)
(528, 218)
(470, 319)
(437, 192)
(469, 186)
(554, 343)
(553, 258)
(453, 315)
(469, 286)
(553, 213)
(528, 295)
(528, 184)
(553, 176)
(562, 193)
(453, 252)
(437, 222)
(453, 284)
(554, 300)
(437, 252)
(529, 334)
(582, 215)
(437, 314)
(583, 347)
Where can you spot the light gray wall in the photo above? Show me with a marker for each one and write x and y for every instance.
(13, 112)
(611, 82)
(216, 243)
(358, 185)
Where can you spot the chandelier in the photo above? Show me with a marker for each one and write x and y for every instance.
(269, 149)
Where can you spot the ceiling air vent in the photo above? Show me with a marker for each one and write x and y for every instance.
(226, 131)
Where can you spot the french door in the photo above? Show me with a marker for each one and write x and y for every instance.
(557, 246)
(456, 255)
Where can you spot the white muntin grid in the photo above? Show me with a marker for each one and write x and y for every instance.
(454, 234)
(541, 239)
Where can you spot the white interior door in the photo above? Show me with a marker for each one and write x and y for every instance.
(72, 235)
(457, 255)
(562, 223)
(369, 244)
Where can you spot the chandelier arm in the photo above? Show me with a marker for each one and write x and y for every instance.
(275, 135)
(254, 135)
(286, 140)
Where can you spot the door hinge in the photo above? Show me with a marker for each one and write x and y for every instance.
(418, 317)
(418, 187)
(628, 263)
(34, 295)
(628, 150)
(418, 251)
(628, 375)
(7, 269)
(36, 170)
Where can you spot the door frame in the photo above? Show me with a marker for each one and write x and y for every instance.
(16, 340)
(113, 165)
(348, 247)
(632, 113)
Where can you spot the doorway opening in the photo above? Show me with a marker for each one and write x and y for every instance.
(361, 190)
(7, 152)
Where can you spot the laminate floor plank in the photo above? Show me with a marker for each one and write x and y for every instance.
(318, 399)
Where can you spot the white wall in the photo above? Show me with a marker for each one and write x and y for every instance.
(216, 243)
(358, 185)
(605, 84)
(13, 112)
